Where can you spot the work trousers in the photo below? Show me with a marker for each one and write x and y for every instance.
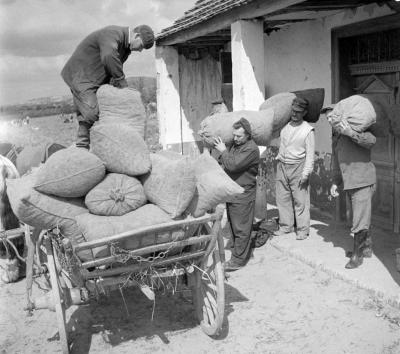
(293, 201)
(240, 217)
(87, 112)
(361, 205)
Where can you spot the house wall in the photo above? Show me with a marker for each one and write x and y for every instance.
(299, 57)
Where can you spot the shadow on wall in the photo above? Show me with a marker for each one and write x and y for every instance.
(320, 180)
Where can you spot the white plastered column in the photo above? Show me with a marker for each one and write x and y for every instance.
(168, 100)
(247, 42)
(247, 45)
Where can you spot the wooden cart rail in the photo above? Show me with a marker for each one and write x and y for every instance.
(199, 268)
(170, 226)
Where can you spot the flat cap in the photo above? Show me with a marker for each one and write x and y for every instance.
(299, 104)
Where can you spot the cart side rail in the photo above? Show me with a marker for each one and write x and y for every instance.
(148, 230)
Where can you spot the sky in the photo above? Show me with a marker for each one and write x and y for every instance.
(38, 36)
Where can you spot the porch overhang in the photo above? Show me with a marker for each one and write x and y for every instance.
(208, 23)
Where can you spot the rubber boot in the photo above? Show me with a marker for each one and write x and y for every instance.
(357, 257)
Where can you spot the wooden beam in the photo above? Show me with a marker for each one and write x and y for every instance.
(253, 10)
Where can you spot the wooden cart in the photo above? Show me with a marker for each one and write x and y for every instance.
(196, 261)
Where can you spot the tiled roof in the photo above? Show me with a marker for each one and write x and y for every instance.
(202, 11)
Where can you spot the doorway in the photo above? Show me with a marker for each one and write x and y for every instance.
(366, 58)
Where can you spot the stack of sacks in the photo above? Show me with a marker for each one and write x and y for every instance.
(51, 196)
(118, 188)
(122, 105)
(362, 113)
(266, 123)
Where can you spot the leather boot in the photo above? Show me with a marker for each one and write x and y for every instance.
(357, 257)
(83, 138)
(367, 249)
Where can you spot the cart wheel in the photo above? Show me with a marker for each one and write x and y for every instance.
(209, 294)
(58, 297)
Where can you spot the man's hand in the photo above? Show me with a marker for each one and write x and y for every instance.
(120, 83)
(219, 144)
(303, 182)
(344, 128)
(334, 191)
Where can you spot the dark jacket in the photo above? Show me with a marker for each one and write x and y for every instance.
(351, 160)
(97, 59)
(241, 164)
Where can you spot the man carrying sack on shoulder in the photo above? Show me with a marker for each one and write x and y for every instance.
(240, 161)
(353, 169)
(98, 60)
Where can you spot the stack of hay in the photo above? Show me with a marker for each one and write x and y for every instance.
(116, 187)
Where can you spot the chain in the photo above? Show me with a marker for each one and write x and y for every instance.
(59, 248)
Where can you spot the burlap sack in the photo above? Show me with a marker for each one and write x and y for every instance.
(34, 155)
(261, 122)
(70, 173)
(121, 106)
(116, 195)
(94, 227)
(43, 211)
(171, 184)
(213, 186)
(121, 148)
(315, 98)
(281, 103)
(362, 113)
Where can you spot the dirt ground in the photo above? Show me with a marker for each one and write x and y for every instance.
(275, 305)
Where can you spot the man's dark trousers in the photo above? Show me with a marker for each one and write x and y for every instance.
(240, 216)
(87, 112)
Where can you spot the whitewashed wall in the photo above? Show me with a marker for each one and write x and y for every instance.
(299, 57)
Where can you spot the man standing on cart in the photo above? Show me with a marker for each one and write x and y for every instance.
(240, 162)
(98, 60)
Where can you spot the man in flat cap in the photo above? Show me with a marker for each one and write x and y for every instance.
(240, 161)
(354, 171)
(98, 60)
(295, 164)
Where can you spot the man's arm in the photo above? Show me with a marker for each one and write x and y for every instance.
(365, 139)
(310, 151)
(109, 55)
(335, 168)
(239, 162)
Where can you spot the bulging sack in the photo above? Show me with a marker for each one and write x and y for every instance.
(121, 106)
(362, 113)
(44, 211)
(171, 184)
(213, 186)
(70, 173)
(315, 98)
(281, 103)
(94, 227)
(121, 148)
(116, 195)
(220, 124)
